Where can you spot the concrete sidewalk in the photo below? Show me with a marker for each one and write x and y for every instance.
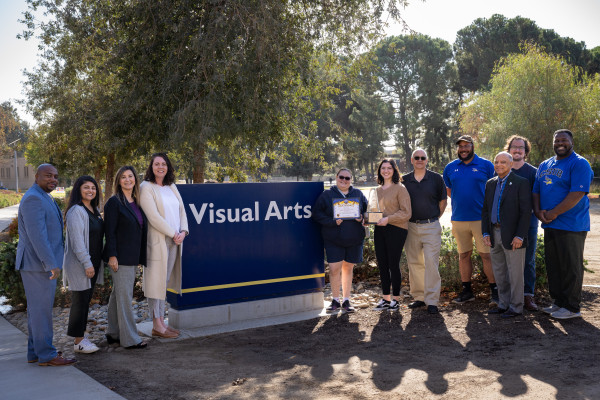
(6, 216)
(20, 380)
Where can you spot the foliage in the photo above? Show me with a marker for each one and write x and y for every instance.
(9, 198)
(12, 128)
(479, 46)
(533, 94)
(11, 285)
(120, 79)
(448, 266)
(417, 76)
(371, 121)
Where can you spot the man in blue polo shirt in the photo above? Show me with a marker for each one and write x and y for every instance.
(560, 201)
(465, 180)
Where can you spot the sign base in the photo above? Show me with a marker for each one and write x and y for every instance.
(235, 314)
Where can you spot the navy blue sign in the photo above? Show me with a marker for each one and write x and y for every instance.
(249, 241)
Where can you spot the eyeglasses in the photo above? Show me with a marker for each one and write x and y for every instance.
(418, 158)
(518, 147)
(344, 177)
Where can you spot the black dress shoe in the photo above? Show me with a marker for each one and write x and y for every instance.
(112, 340)
(497, 310)
(416, 304)
(432, 310)
(510, 314)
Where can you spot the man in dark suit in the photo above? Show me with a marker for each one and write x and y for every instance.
(504, 224)
(39, 260)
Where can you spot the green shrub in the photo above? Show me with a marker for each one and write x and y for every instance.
(11, 285)
(449, 262)
(448, 266)
(9, 198)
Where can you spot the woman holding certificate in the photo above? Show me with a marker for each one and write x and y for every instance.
(339, 211)
(390, 231)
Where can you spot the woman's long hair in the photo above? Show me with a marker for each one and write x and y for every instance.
(169, 177)
(75, 197)
(118, 190)
(396, 178)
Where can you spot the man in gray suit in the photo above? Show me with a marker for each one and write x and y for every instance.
(39, 260)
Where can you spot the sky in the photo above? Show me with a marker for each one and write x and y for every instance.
(577, 19)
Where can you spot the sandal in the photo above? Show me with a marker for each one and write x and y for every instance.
(140, 345)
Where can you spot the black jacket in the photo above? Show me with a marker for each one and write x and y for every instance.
(349, 232)
(515, 209)
(125, 239)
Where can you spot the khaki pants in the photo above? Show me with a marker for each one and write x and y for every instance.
(423, 255)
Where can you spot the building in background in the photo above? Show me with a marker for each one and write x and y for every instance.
(8, 176)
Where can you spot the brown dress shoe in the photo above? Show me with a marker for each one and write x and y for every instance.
(166, 334)
(58, 361)
(530, 304)
(173, 330)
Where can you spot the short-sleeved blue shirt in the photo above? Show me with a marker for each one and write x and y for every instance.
(467, 182)
(528, 172)
(555, 179)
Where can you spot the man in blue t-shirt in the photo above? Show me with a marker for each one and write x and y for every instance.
(560, 201)
(465, 180)
(519, 147)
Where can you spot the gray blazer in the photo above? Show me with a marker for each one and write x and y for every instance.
(77, 251)
(41, 243)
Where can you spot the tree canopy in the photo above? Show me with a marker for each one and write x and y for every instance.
(534, 94)
(122, 78)
(417, 75)
(479, 46)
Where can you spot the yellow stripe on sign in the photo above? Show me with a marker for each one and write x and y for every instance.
(251, 283)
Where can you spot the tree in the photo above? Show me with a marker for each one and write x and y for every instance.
(193, 76)
(416, 73)
(12, 128)
(479, 46)
(533, 94)
(372, 120)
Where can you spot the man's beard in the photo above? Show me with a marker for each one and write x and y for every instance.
(468, 157)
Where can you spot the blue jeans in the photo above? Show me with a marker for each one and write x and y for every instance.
(529, 270)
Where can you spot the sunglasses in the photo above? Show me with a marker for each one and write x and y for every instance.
(418, 158)
(344, 177)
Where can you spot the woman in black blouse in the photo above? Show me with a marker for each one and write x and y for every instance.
(125, 249)
(83, 256)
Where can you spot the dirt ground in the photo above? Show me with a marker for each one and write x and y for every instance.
(462, 353)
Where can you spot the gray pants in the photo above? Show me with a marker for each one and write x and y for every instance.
(121, 322)
(508, 268)
(157, 306)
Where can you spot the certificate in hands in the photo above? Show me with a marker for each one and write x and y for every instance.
(346, 208)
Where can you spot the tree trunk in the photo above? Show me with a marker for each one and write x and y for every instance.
(110, 175)
(97, 176)
(199, 164)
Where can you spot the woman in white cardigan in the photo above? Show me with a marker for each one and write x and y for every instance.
(167, 228)
(83, 257)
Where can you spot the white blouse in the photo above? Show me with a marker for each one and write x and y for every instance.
(171, 206)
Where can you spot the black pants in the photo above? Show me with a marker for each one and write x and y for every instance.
(389, 242)
(564, 266)
(80, 306)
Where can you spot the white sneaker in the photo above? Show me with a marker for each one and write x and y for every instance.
(85, 346)
(551, 309)
(563, 313)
